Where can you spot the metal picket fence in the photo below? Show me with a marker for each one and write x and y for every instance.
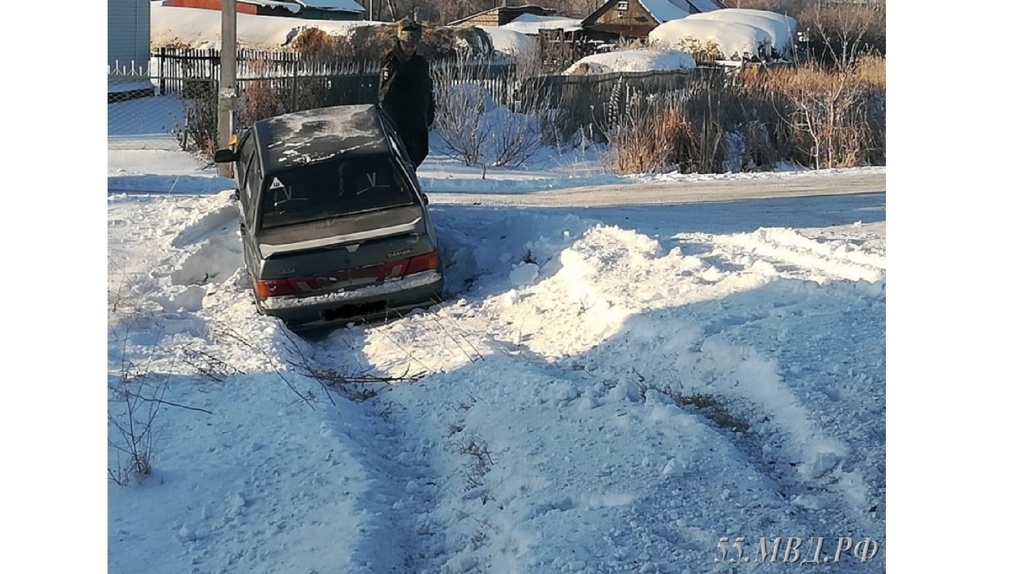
(165, 101)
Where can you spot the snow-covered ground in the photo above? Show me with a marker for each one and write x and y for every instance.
(626, 375)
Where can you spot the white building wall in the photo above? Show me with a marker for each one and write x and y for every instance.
(128, 32)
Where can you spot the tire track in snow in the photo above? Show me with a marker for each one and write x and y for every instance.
(787, 252)
(554, 322)
(404, 483)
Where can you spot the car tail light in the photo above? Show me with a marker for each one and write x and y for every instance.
(423, 263)
(265, 288)
(393, 269)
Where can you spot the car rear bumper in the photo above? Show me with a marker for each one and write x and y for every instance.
(370, 302)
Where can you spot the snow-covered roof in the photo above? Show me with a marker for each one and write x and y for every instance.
(733, 40)
(781, 29)
(287, 4)
(532, 23)
(702, 5)
(664, 10)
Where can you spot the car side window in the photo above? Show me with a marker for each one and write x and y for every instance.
(246, 157)
(251, 188)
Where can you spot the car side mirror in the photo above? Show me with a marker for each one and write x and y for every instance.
(225, 155)
(425, 198)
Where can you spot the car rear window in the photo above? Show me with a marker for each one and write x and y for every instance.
(332, 189)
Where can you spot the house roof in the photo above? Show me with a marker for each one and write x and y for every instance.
(297, 5)
(336, 5)
(661, 10)
(666, 10)
(523, 9)
(532, 23)
(703, 5)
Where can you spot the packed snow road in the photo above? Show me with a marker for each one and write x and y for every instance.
(608, 387)
(671, 192)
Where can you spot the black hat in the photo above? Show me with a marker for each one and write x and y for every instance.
(409, 31)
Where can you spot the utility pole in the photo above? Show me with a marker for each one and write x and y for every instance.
(228, 78)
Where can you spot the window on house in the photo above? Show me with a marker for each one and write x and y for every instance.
(622, 6)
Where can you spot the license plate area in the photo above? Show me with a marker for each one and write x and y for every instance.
(353, 310)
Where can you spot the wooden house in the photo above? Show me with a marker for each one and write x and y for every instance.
(634, 19)
(501, 15)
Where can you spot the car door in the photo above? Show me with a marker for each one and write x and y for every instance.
(248, 194)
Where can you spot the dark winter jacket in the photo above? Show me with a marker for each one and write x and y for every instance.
(405, 94)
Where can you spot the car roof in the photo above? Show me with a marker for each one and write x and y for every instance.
(311, 136)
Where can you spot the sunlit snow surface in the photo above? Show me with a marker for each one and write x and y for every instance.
(608, 386)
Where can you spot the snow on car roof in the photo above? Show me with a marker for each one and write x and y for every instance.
(315, 135)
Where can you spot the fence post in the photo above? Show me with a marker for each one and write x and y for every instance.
(162, 82)
(293, 91)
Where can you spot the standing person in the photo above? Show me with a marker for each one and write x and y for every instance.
(405, 91)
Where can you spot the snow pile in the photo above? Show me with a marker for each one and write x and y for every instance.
(635, 60)
(713, 40)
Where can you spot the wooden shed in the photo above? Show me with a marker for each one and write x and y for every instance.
(501, 15)
(634, 19)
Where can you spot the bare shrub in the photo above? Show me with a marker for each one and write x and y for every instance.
(702, 52)
(199, 132)
(684, 129)
(135, 400)
(475, 115)
(836, 118)
(479, 463)
(460, 104)
(644, 140)
(842, 33)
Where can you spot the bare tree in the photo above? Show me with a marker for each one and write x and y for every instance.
(845, 32)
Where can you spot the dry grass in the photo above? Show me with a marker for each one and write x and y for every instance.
(818, 116)
(833, 116)
(871, 70)
(372, 43)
